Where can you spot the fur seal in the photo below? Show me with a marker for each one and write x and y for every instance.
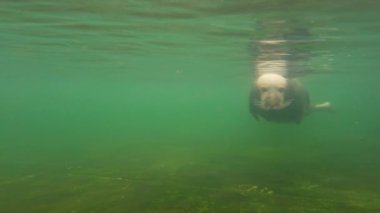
(278, 99)
(274, 96)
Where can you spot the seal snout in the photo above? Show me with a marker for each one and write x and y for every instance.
(272, 87)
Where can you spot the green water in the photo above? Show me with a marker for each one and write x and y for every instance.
(142, 106)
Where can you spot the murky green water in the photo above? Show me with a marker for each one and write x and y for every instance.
(142, 106)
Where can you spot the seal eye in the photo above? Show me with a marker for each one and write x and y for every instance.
(281, 89)
(264, 89)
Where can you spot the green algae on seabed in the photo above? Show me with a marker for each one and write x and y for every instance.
(198, 188)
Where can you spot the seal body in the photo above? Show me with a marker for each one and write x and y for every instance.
(275, 93)
(287, 103)
(281, 56)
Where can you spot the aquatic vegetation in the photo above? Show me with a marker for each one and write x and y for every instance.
(248, 189)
